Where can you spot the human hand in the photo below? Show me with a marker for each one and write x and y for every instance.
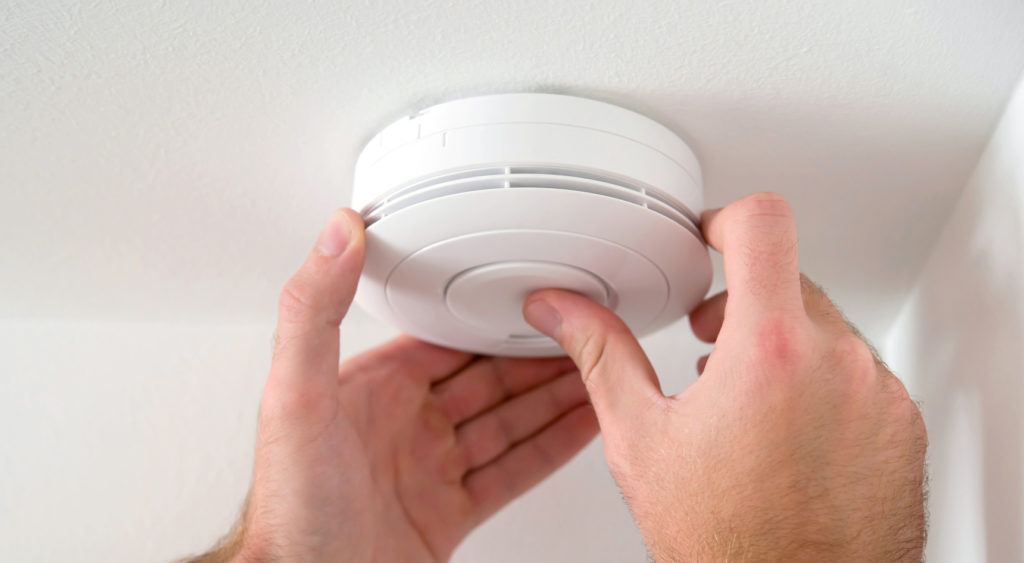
(795, 443)
(398, 454)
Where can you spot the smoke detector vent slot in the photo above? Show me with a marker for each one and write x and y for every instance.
(527, 177)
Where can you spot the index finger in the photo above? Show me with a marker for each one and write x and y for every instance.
(757, 238)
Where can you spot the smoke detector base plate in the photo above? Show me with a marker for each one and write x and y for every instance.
(474, 204)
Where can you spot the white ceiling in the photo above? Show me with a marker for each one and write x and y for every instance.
(174, 160)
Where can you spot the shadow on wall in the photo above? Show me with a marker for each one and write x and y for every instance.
(965, 342)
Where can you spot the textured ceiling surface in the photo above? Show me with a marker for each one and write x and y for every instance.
(174, 161)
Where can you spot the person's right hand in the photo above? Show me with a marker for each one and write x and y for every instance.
(796, 443)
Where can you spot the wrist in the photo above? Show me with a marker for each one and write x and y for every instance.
(773, 542)
(706, 537)
(251, 544)
(251, 550)
(233, 547)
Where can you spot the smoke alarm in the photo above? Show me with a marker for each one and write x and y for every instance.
(472, 205)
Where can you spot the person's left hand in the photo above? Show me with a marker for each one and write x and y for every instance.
(398, 454)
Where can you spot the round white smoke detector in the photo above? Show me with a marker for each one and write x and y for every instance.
(474, 204)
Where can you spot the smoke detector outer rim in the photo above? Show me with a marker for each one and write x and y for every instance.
(528, 178)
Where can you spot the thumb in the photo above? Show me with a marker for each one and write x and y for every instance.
(620, 380)
(316, 299)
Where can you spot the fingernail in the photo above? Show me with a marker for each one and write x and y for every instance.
(335, 236)
(543, 317)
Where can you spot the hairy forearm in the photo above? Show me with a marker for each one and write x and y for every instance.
(780, 532)
(232, 547)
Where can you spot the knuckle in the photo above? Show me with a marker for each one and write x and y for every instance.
(280, 405)
(295, 300)
(905, 411)
(765, 204)
(272, 411)
(289, 406)
(898, 391)
(855, 360)
(900, 399)
(782, 343)
(591, 354)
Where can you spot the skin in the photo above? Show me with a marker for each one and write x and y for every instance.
(796, 443)
(400, 452)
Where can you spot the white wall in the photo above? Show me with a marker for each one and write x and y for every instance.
(124, 442)
(959, 346)
(133, 442)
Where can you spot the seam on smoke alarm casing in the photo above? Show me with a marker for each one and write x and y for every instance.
(685, 169)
